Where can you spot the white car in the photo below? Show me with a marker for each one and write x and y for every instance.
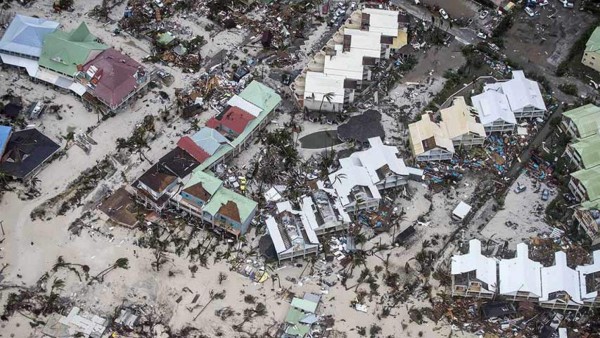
(542, 3)
(481, 35)
(529, 11)
(483, 14)
(566, 3)
(444, 14)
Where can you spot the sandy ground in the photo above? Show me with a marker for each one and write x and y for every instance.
(524, 212)
(32, 247)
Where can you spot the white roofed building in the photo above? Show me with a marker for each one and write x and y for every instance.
(473, 274)
(324, 213)
(364, 173)
(291, 233)
(520, 277)
(560, 285)
(325, 92)
(589, 281)
(494, 112)
(524, 95)
(386, 23)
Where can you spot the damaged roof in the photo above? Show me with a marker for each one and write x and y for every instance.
(202, 185)
(230, 204)
(64, 51)
(25, 152)
(116, 76)
(234, 118)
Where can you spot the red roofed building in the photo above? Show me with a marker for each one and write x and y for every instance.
(186, 143)
(232, 122)
(112, 78)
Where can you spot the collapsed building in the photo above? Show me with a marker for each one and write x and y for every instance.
(521, 279)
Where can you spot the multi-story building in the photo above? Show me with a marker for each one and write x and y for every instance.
(473, 274)
(581, 122)
(462, 124)
(591, 54)
(429, 140)
(560, 285)
(585, 153)
(520, 277)
(494, 112)
(589, 281)
(524, 96)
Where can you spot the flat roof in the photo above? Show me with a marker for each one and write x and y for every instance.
(319, 85)
(382, 21)
(348, 65)
(365, 43)
(588, 269)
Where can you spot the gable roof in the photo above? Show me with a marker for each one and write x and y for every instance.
(484, 267)
(520, 91)
(593, 43)
(202, 185)
(520, 273)
(586, 119)
(460, 120)
(25, 35)
(25, 152)
(234, 118)
(588, 150)
(492, 106)
(64, 51)
(560, 277)
(209, 140)
(111, 76)
(426, 135)
(231, 205)
(590, 179)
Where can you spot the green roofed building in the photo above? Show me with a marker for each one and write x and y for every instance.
(585, 184)
(63, 52)
(585, 153)
(591, 55)
(581, 122)
(230, 211)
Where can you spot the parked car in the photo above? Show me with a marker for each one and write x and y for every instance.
(520, 188)
(542, 3)
(481, 35)
(545, 194)
(483, 14)
(444, 14)
(566, 3)
(529, 11)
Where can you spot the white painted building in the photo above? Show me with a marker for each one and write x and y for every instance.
(325, 92)
(291, 233)
(494, 112)
(473, 274)
(560, 285)
(520, 277)
(523, 95)
(364, 173)
(589, 281)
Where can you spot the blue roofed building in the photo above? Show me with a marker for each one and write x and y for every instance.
(21, 44)
(5, 132)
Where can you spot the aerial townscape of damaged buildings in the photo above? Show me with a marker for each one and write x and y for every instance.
(183, 179)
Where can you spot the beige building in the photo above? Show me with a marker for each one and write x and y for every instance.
(591, 55)
(436, 141)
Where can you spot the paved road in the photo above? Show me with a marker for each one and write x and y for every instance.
(515, 170)
(465, 36)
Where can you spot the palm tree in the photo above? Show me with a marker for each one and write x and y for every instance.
(328, 97)
(121, 263)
